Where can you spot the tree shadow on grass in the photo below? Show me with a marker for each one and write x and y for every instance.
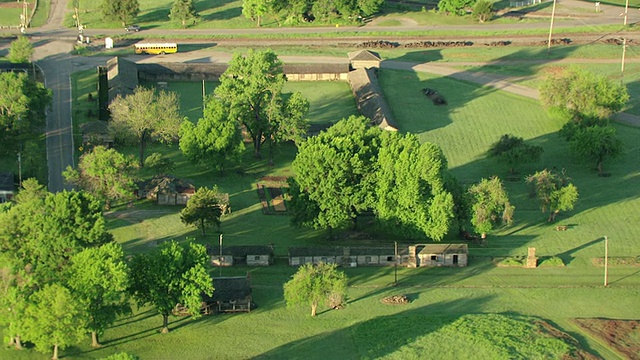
(226, 14)
(377, 337)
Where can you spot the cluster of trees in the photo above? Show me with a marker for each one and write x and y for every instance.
(124, 11)
(354, 168)
(296, 11)
(588, 101)
(23, 105)
(249, 97)
(553, 189)
(62, 276)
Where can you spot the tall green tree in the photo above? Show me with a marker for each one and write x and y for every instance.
(172, 274)
(215, 140)
(514, 151)
(554, 191)
(483, 10)
(251, 92)
(254, 10)
(146, 115)
(312, 284)
(203, 209)
(124, 11)
(105, 173)
(45, 233)
(54, 319)
(162, 165)
(411, 197)
(184, 12)
(15, 288)
(489, 205)
(455, 7)
(99, 279)
(336, 170)
(581, 95)
(596, 144)
(21, 50)
(23, 105)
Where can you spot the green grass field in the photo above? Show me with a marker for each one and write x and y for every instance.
(482, 304)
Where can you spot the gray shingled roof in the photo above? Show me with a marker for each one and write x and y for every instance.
(445, 249)
(316, 251)
(229, 289)
(364, 55)
(370, 98)
(6, 182)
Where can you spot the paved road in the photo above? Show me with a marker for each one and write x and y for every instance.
(54, 44)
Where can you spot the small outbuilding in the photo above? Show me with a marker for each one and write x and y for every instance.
(364, 59)
(251, 255)
(167, 190)
(431, 255)
(231, 294)
(7, 187)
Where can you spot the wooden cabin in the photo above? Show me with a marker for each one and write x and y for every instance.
(431, 255)
(251, 255)
(231, 294)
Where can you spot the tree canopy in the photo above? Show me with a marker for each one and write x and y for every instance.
(146, 115)
(489, 205)
(312, 284)
(99, 278)
(23, 105)
(203, 209)
(184, 12)
(215, 140)
(410, 187)
(124, 11)
(455, 7)
(172, 274)
(514, 151)
(596, 144)
(54, 319)
(581, 95)
(298, 11)
(105, 173)
(250, 91)
(21, 50)
(353, 167)
(554, 191)
(336, 170)
(44, 233)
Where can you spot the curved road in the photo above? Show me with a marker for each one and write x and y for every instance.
(53, 44)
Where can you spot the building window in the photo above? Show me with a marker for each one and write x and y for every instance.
(434, 257)
(256, 258)
(367, 259)
(389, 258)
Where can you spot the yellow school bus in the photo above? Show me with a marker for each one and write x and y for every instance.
(156, 48)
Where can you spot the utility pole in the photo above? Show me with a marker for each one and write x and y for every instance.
(606, 260)
(221, 259)
(624, 41)
(19, 170)
(553, 14)
(24, 17)
(395, 269)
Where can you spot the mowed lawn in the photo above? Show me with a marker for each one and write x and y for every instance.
(446, 304)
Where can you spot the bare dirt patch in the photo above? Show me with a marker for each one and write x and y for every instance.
(579, 353)
(621, 335)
